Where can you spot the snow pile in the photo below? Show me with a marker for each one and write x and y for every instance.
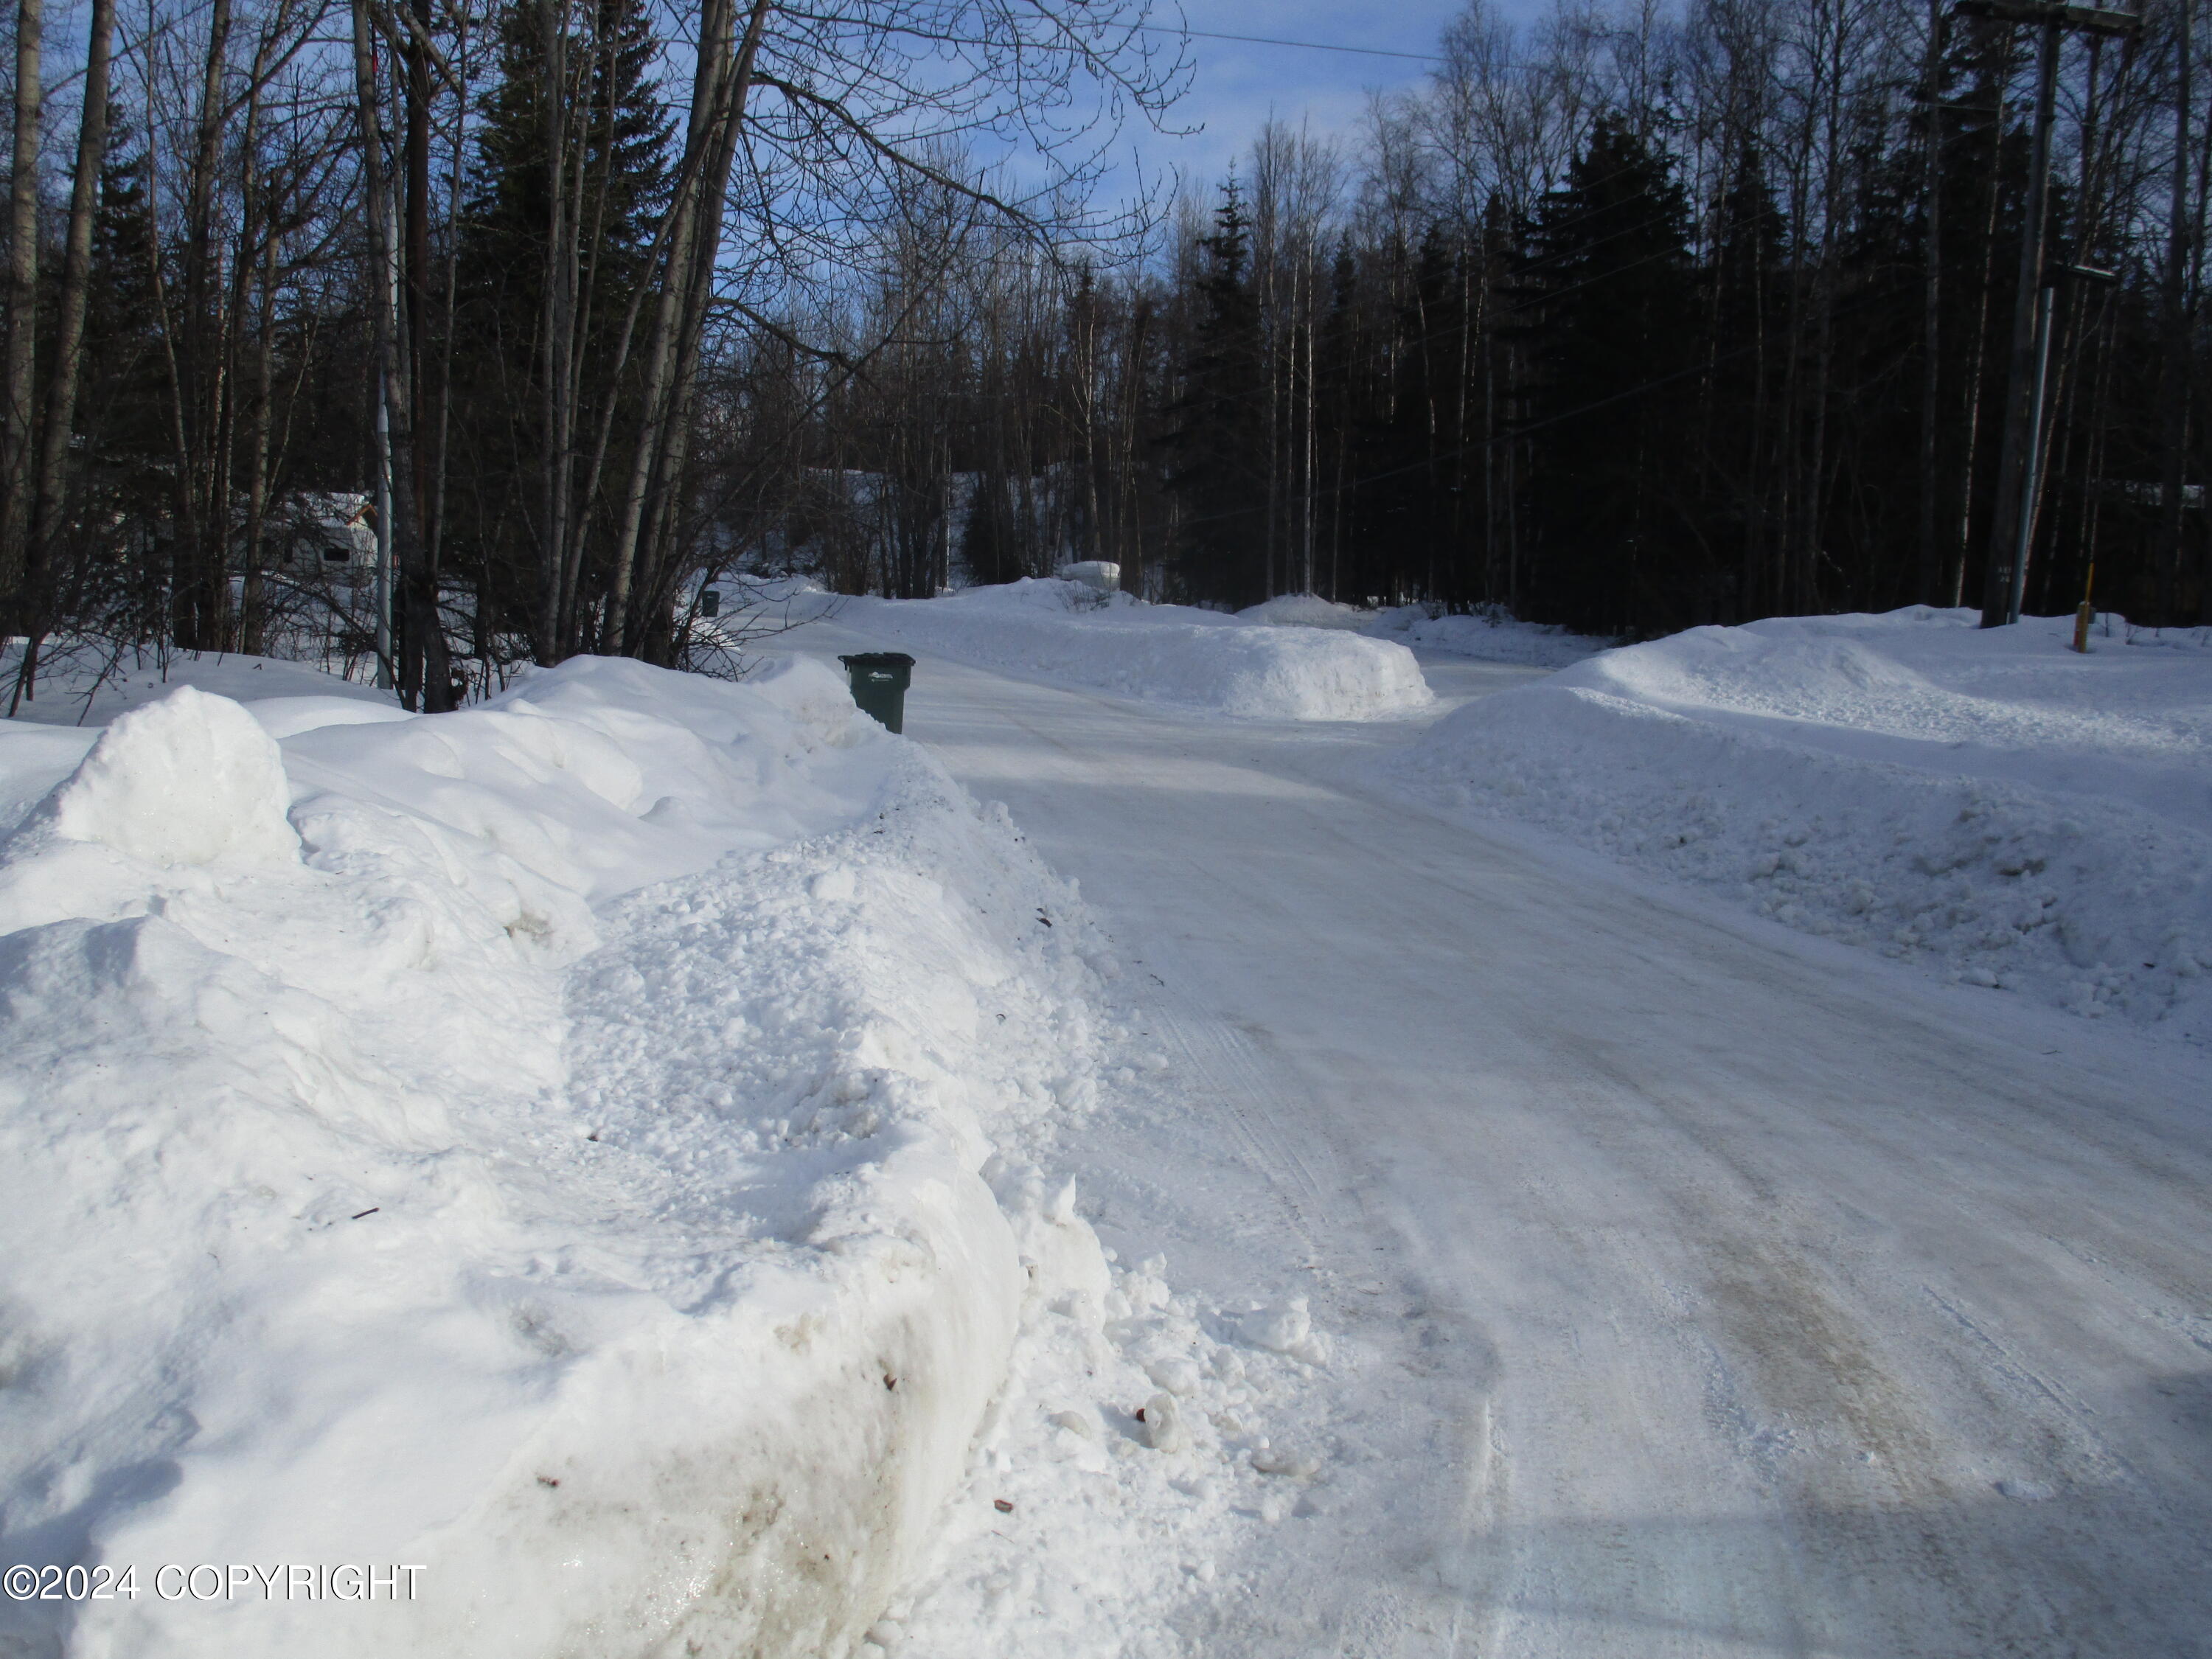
(1491, 634)
(1165, 654)
(547, 1144)
(1307, 610)
(1989, 802)
(191, 781)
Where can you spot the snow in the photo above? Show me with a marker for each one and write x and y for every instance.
(1066, 633)
(1488, 635)
(661, 1154)
(192, 780)
(598, 1147)
(1987, 803)
(87, 686)
(1307, 610)
(548, 1143)
(1691, 1283)
(1100, 575)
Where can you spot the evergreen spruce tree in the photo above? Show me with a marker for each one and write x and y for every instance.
(624, 132)
(1414, 457)
(122, 483)
(624, 129)
(1610, 273)
(1220, 441)
(1340, 571)
(1740, 470)
(990, 551)
(1874, 380)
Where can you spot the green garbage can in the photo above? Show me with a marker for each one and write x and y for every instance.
(879, 682)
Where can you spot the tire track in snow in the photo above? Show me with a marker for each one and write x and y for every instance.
(1284, 1194)
(1672, 1184)
(1228, 1072)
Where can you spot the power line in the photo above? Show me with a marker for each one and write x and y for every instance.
(1271, 40)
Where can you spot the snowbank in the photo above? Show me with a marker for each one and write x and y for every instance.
(543, 1143)
(1307, 610)
(1490, 635)
(1164, 654)
(1989, 802)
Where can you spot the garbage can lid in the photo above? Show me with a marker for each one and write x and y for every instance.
(878, 659)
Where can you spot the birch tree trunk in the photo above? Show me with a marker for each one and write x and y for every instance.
(719, 101)
(424, 667)
(701, 140)
(557, 330)
(47, 514)
(396, 451)
(16, 381)
(199, 583)
(253, 607)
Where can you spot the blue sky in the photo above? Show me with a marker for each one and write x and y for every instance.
(1237, 84)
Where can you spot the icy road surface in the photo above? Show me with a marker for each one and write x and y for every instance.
(1774, 1299)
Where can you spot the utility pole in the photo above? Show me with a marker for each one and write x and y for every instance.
(2173, 361)
(2013, 522)
(2030, 483)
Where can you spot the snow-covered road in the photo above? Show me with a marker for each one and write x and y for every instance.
(1764, 1297)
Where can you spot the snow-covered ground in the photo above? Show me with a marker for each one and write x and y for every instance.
(1297, 656)
(593, 1146)
(1987, 802)
(1490, 635)
(664, 1157)
(1696, 1286)
(1307, 610)
(1206, 660)
(91, 688)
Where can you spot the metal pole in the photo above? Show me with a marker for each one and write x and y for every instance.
(2032, 471)
(2173, 363)
(383, 599)
(2000, 596)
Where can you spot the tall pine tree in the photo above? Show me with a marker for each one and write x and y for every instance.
(1747, 311)
(1220, 441)
(622, 131)
(1610, 277)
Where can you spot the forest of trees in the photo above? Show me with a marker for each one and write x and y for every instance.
(1641, 316)
(1644, 317)
(542, 298)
